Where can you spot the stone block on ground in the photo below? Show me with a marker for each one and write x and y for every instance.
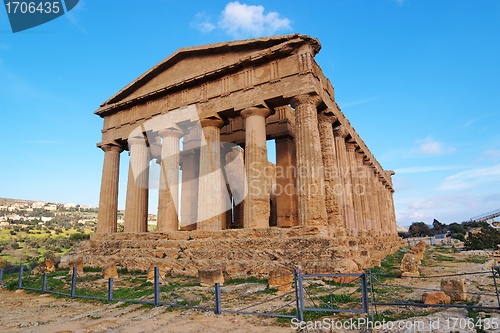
(281, 278)
(210, 276)
(78, 263)
(455, 288)
(436, 297)
(110, 271)
(150, 277)
(409, 265)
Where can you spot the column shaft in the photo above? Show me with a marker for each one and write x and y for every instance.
(345, 177)
(330, 164)
(256, 207)
(363, 177)
(355, 187)
(310, 173)
(210, 195)
(286, 199)
(108, 200)
(168, 195)
(189, 195)
(136, 206)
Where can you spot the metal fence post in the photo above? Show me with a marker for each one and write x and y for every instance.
(21, 270)
(495, 270)
(44, 283)
(372, 299)
(364, 295)
(218, 303)
(300, 296)
(1, 275)
(73, 282)
(157, 286)
(110, 290)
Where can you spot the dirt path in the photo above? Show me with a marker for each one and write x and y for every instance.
(21, 312)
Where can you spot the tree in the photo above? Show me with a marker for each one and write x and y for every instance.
(419, 229)
(486, 238)
(438, 226)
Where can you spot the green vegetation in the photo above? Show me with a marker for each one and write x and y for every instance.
(486, 238)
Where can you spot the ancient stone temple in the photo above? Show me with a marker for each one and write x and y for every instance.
(206, 115)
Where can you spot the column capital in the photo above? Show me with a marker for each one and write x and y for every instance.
(136, 140)
(351, 146)
(255, 111)
(305, 99)
(212, 122)
(171, 131)
(111, 147)
(327, 116)
(340, 131)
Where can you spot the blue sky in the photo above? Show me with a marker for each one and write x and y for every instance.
(418, 79)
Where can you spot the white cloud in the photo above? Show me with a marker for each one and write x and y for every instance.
(240, 20)
(492, 153)
(426, 169)
(472, 178)
(429, 146)
(400, 2)
(202, 23)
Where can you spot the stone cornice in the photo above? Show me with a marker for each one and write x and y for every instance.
(279, 46)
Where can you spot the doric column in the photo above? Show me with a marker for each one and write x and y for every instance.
(108, 200)
(330, 164)
(136, 206)
(256, 207)
(355, 186)
(286, 198)
(382, 199)
(190, 165)
(392, 211)
(374, 199)
(340, 134)
(310, 173)
(211, 180)
(362, 190)
(168, 195)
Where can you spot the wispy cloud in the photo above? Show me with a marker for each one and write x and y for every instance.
(421, 169)
(492, 153)
(202, 23)
(429, 146)
(43, 142)
(489, 176)
(73, 18)
(400, 3)
(360, 102)
(240, 20)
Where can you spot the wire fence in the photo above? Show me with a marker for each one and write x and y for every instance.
(292, 294)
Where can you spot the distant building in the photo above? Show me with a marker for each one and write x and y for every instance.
(38, 204)
(70, 205)
(50, 207)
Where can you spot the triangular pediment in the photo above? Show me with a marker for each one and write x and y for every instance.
(206, 62)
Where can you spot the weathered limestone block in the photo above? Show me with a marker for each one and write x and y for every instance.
(78, 263)
(280, 278)
(419, 250)
(110, 271)
(162, 271)
(346, 266)
(436, 297)
(410, 265)
(47, 266)
(210, 276)
(455, 288)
